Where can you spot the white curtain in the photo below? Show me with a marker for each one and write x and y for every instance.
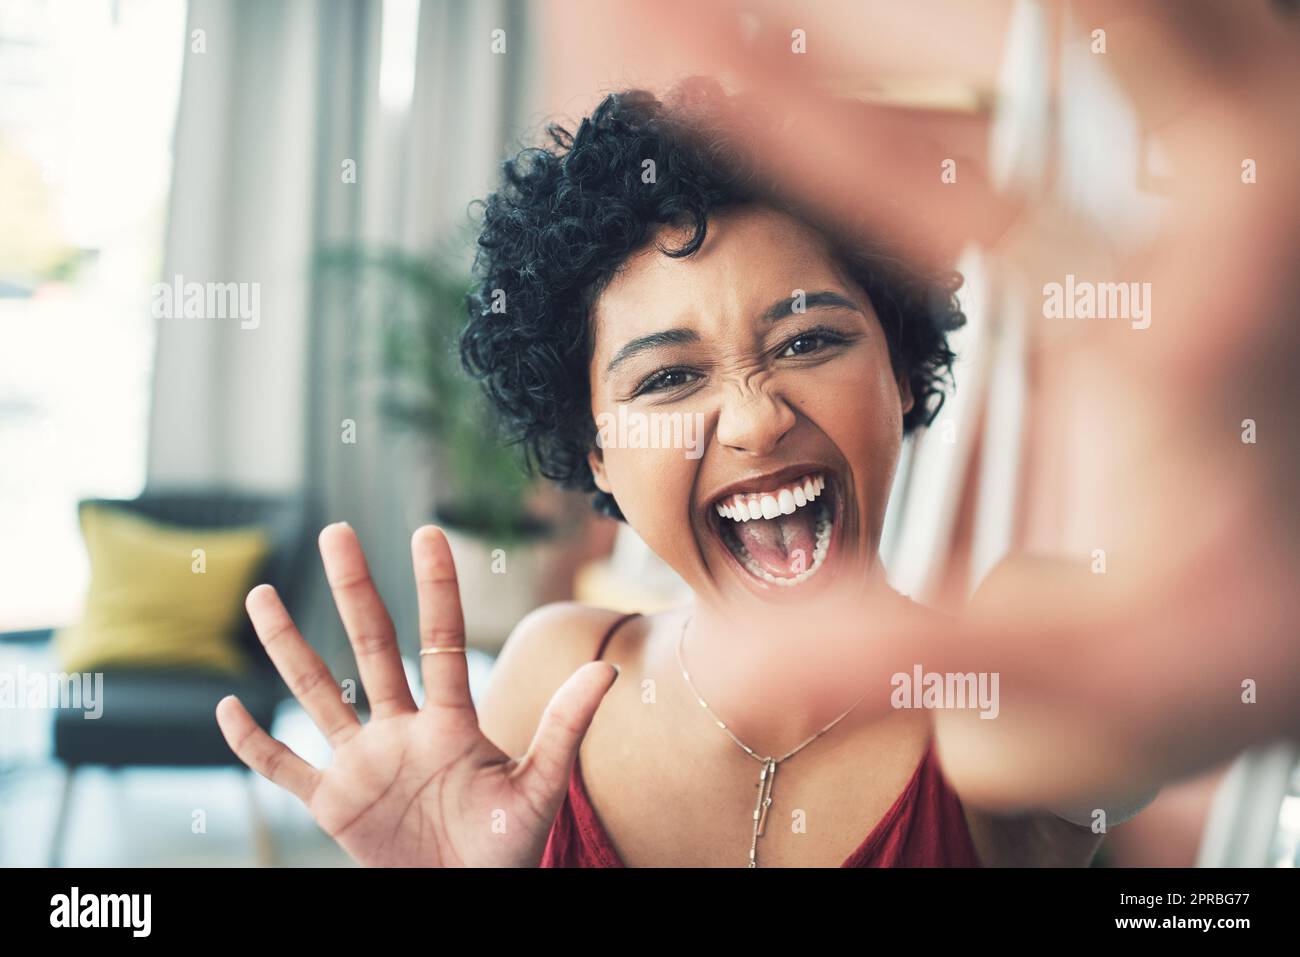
(280, 98)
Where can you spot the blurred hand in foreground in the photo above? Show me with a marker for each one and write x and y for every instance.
(1131, 678)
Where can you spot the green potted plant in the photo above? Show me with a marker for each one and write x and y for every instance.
(486, 508)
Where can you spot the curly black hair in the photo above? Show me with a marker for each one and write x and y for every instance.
(568, 215)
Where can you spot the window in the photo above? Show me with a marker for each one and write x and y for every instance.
(88, 94)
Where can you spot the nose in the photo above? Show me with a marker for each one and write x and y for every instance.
(753, 420)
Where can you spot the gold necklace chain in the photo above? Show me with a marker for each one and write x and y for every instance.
(766, 776)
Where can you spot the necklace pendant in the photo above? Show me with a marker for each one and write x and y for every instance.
(764, 795)
(764, 783)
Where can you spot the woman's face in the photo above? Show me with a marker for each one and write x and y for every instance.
(739, 380)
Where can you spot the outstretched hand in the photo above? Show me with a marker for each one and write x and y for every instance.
(412, 786)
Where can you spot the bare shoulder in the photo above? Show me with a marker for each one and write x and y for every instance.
(547, 646)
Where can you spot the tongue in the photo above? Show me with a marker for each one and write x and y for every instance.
(782, 546)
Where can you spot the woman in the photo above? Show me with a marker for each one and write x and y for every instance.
(636, 268)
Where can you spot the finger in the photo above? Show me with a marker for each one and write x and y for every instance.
(301, 668)
(546, 767)
(830, 154)
(261, 752)
(1188, 49)
(366, 621)
(442, 625)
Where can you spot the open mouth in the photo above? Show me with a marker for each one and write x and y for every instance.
(780, 535)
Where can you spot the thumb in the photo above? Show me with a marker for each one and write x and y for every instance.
(549, 760)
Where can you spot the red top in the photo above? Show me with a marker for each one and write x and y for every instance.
(924, 827)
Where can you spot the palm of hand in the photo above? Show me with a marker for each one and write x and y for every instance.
(413, 787)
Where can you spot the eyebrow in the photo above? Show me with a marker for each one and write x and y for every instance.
(781, 309)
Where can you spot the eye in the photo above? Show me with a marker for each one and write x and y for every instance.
(664, 380)
(807, 343)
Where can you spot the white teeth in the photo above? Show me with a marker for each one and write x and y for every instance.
(745, 507)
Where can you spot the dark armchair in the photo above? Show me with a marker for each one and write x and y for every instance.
(165, 717)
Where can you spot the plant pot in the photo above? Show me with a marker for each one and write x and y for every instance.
(500, 580)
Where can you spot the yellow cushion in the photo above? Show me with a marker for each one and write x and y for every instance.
(155, 600)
